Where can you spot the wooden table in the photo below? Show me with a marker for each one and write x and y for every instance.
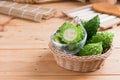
(24, 52)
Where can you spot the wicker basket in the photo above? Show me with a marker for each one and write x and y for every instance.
(77, 63)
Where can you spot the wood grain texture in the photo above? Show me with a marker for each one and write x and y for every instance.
(35, 36)
(4, 19)
(64, 78)
(24, 52)
(41, 62)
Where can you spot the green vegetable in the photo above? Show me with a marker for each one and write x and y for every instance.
(92, 26)
(84, 23)
(72, 47)
(105, 37)
(91, 49)
(56, 38)
(70, 34)
(81, 31)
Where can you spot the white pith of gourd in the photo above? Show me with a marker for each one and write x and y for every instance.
(70, 34)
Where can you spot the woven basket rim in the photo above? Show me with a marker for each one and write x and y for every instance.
(85, 58)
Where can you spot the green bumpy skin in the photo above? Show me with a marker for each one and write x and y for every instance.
(81, 31)
(92, 26)
(56, 38)
(84, 22)
(70, 26)
(91, 49)
(105, 37)
(72, 47)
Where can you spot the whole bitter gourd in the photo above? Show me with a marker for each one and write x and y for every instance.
(91, 49)
(105, 37)
(92, 26)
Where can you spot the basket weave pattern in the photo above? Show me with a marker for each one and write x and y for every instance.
(77, 63)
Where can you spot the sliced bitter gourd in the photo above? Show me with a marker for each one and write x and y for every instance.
(56, 38)
(70, 33)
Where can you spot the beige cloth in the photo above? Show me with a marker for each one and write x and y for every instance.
(26, 11)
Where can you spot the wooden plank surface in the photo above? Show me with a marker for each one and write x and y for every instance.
(41, 62)
(64, 78)
(24, 52)
(87, 13)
